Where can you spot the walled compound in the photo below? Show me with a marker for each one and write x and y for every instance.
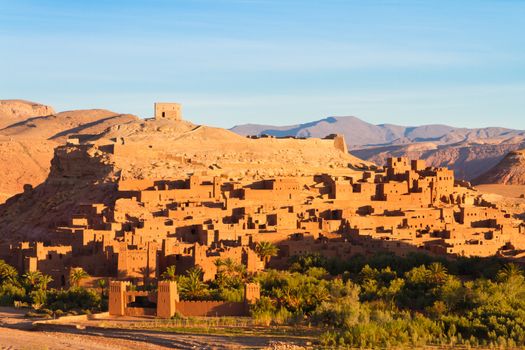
(199, 217)
(165, 302)
(195, 221)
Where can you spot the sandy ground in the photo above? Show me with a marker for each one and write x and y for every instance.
(508, 196)
(511, 191)
(17, 332)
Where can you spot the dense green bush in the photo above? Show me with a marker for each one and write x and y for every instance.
(370, 302)
(385, 300)
(75, 298)
(9, 293)
(31, 290)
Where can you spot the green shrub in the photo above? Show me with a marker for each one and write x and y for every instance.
(74, 299)
(9, 293)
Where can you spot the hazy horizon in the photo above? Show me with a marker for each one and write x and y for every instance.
(232, 62)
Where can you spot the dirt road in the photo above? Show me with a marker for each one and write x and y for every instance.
(16, 332)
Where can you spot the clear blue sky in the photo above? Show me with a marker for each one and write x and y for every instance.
(458, 62)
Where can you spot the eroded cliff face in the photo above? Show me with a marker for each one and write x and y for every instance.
(12, 111)
(82, 163)
(80, 174)
(29, 132)
(509, 171)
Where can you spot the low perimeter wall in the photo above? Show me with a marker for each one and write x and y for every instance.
(140, 311)
(211, 308)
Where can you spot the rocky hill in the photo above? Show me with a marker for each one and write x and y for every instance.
(59, 126)
(469, 152)
(509, 171)
(89, 172)
(12, 111)
(31, 131)
(468, 160)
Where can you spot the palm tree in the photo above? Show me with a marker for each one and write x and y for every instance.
(44, 281)
(76, 275)
(438, 273)
(32, 278)
(509, 272)
(192, 286)
(230, 268)
(229, 273)
(7, 272)
(102, 283)
(169, 274)
(266, 250)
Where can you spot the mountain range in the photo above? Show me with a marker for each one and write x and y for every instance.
(29, 133)
(468, 151)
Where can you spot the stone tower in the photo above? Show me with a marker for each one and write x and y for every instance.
(171, 111)
(167, 296)
(117, 298)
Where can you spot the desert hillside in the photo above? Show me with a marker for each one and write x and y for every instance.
(31, 131)
(12, 111)
(468, 160)
(89, 172)
(167, 148)
(509, 171)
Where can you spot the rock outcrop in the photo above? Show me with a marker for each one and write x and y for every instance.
(509, 171)
(30, 133)
(12, 111)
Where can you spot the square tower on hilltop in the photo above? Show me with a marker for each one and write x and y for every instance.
(165, 110)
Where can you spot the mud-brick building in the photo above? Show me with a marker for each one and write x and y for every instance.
(165, 302)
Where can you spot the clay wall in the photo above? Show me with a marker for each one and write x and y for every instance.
(140, 311)
(211, 308)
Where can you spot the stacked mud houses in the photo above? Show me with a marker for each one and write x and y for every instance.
(197, 219)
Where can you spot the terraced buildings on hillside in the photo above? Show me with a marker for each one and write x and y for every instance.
(193, 220)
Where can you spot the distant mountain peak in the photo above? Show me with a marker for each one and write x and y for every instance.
(359, 133)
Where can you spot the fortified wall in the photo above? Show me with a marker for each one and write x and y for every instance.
(165, 302)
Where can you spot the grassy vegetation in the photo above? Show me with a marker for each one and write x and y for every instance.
(219, 325)
(367, 302)
(31, 290)
(389, 301)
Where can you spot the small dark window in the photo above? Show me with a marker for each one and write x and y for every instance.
(163, 114)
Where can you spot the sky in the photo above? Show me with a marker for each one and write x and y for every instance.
(277, 62)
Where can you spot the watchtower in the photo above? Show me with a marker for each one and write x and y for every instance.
(165, 110)
(167, 296)
(117, 298)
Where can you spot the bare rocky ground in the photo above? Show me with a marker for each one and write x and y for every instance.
(17, 332)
